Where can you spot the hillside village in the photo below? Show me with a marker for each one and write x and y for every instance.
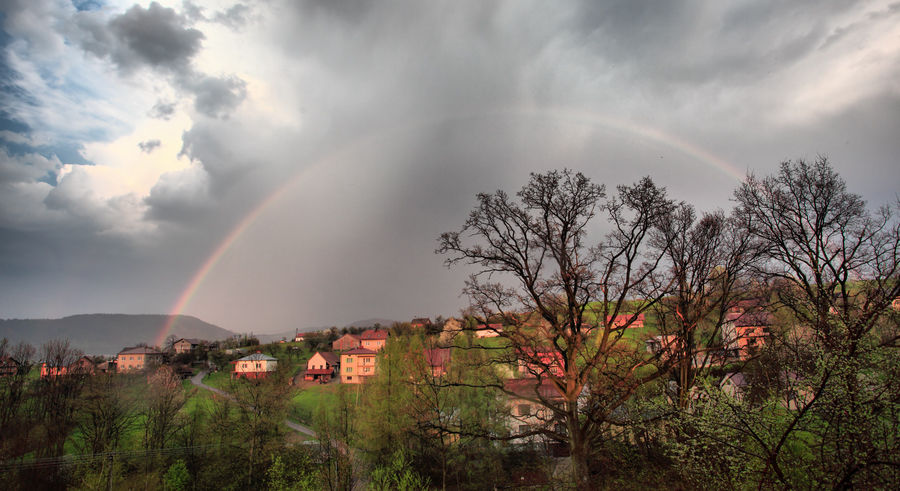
(721, 364)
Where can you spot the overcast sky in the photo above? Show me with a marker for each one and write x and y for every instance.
(279, 164)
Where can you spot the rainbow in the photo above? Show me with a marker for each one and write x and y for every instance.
(569, 116)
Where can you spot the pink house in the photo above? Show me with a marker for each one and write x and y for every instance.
(438, 360)
(373, 339)
(321, 366)
(637, 321)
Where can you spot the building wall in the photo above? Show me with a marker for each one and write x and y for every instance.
(356, 368)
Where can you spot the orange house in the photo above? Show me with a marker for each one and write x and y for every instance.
(81, 366)
(357, 365)
(373, 339)
(138, 358)
(744, 333)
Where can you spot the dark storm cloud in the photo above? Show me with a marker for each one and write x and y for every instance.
(156, 36)
(149, 145)
(217, 97)
(163, 40)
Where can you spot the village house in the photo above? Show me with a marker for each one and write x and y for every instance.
(8, 366)
(346, 342)
(131, 359)
(357, 365)
(185, 345)
(322, 366)
(299, 337)
(538, 362)
(438, 361)
(254, 366)
(373, 339)
(488, 330)
(420, 322)
(81, 366)
(744, 333)
(526, 415)
(637, 321)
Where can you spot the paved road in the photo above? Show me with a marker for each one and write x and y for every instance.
(198, 381)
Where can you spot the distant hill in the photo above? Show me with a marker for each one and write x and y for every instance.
(106, 334)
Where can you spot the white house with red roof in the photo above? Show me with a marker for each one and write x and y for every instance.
(256, 365)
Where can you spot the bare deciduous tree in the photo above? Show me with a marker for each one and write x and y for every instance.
(571, 303)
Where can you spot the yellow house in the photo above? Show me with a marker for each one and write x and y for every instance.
(139, 358)
(256, 365)
(357, 365)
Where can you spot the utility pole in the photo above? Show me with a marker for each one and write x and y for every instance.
(110, 470)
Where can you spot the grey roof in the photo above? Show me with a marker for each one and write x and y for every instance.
(257, 357)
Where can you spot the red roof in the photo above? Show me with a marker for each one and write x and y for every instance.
(529, 387)
(374, 334)
(359, 351)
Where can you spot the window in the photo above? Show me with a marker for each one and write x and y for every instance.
(349, 369)
(366, 369)
(367, 360)
(524, 409)
(524, 428)
(349, 359)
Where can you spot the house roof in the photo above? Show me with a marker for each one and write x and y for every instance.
(437, 357)
(626, 318)
(7, 359)
(351, 336)
(330, 357)
(530, 387)
(376, 334)
(257, 357)
(189, 340)
(359, 351)
(140, 350)
(495, 327)
(421, 321)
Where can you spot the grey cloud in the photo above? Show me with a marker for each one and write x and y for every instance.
(149, 145)
(163, 110)
(234, 17)
(156, 36)
(217, 97)
(179, 196)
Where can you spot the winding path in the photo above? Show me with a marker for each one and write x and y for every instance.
(198, 381)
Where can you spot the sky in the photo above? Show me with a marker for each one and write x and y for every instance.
(274, 165)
